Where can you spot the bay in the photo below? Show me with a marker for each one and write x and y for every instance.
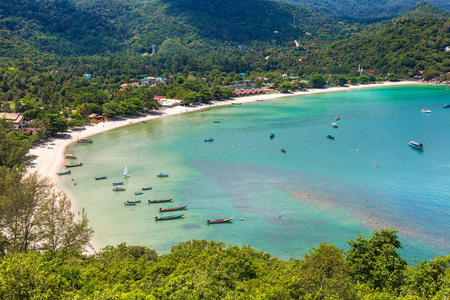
(283, 203)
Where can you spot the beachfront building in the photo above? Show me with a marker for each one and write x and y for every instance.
(17, 119)
(96, 118)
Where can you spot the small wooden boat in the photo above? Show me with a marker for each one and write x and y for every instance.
(272, 135)
(160, 200)
(259, 100)
(70, 156)
(146, 188)
(283, 150)
(427, 111)
(133, 201)
(143, 122)
(64, 173)
(118, 189)
(219, 221)
(139, 193)
(73, 165)
(209, 140)
(172, 208)
(118, 183)
(129, 203)
(237, 103)
(84, 141)
(216, 122)
(330, 136)
(416, 145)
(337, 118)
(446, 106)
(334, 125)
(169, 217)
(162, 175)
(101, 177)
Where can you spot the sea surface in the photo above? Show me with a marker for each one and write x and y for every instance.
(320, 190)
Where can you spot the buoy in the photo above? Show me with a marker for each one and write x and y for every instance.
(72, 179)
(364, 133)
(75, 183)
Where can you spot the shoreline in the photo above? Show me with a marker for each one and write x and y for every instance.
(50, 155)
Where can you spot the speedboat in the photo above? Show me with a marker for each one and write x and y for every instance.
(424, 110)
(272, 134)
(337, 118)
(330, 136)
(416, 145)
(446, 105)
(334, 125)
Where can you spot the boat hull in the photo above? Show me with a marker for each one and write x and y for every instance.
(168, 217)
(226, 220)
(74, 165)
(64, 173)
(173, 208)
(160, 200)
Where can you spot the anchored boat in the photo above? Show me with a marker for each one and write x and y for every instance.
(169, 217)
(173, 208)
(416, 145)
(160, 200)
(219, 221)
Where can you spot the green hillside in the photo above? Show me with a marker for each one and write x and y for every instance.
(105, 27)
(405, 47)
(366, 9)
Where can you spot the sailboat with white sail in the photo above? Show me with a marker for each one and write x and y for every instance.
(125, 172)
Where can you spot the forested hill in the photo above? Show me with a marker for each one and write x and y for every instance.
(105, 27)
(366, 9)
(405, 47)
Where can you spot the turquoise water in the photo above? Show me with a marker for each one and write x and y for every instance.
(319, 190)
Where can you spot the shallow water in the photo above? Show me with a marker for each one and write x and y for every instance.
(283, 203)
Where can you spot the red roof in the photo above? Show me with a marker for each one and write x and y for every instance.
(159, 97)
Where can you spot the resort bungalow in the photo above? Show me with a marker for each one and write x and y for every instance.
(96, 118)
(17, 119)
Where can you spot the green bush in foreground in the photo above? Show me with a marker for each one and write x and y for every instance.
(202, 269)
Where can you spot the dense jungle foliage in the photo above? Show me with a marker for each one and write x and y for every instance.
(366, 10)
(201, 46)
(199, 269)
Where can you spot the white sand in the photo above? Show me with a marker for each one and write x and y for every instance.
(50, 156)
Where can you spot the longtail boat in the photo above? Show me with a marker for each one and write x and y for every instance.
(160, 200)
(219, 220)
(84, 141)
(73, 165)
(209, 140)
(171, 208)
(101, 177)
(64, 173)
(70, 156)
(129, 203)
(169, 217)
(118, 183)
(139, 193)
(146, 188)
(133, 201)
(162, 175)
(118, 189)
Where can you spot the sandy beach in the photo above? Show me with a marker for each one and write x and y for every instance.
(50, 155)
